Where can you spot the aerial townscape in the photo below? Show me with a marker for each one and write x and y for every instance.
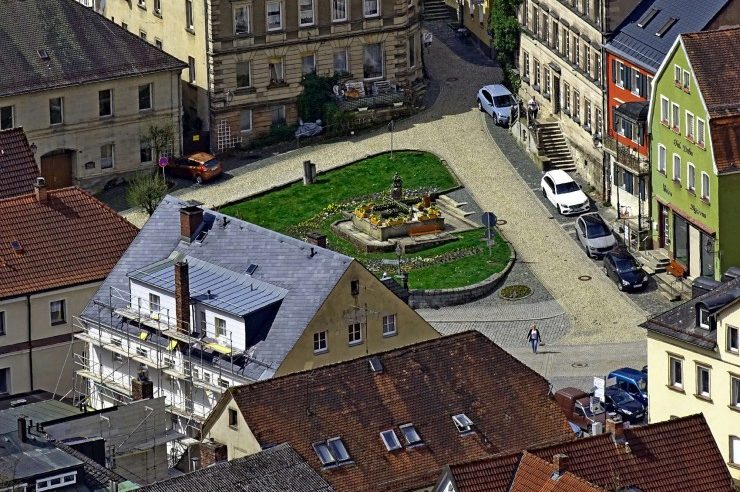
(370, 245)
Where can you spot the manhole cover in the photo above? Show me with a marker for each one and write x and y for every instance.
(501, 222)
(584, 278)
(579, 364)
(452, 79)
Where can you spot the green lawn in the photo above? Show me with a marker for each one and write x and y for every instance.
(296, 209)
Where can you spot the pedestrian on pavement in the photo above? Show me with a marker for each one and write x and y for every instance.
(534, 338)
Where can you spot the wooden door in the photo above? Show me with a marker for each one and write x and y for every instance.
(56, 168)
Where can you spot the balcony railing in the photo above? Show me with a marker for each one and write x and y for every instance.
(627, 157)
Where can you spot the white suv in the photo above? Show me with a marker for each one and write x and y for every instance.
(564, 193)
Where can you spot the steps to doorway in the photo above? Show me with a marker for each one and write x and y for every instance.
(436, 10)
(552, 144)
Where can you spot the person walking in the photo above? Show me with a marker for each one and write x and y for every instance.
(534, 338)
(533, 108)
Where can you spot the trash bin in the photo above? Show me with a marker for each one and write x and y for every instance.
(731, 274)
(702, 285)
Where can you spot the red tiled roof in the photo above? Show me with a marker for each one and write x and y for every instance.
(537, 475)
(71, 238)
(679, 454)
(423, 384)
(726, 143)
(18, 168)
(717, 74)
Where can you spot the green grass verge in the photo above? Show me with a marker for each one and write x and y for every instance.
(284, 209)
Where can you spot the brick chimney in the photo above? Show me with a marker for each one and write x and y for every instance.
(616, 429)
(142, 389)
(317, 239)
(190, 220)
(39, 188)
(561, 463)
(211, 452)
(182, 297)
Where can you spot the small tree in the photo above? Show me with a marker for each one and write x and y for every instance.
(162, 138)
(505, 29)
(316, 94)
(146, 190)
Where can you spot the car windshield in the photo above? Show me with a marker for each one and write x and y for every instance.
(503, 101)
(625, 264)
(211, 163)
(621, 398)
(596, 229)
(568, 187)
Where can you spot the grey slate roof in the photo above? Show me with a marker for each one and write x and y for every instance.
(82, 47)
(283, 262)
(277, 469)
(641, 46)
(680, 322)
(223, 289)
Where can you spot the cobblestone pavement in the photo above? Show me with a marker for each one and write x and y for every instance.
(600, 324)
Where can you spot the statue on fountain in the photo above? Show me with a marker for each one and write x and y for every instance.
(397, 188)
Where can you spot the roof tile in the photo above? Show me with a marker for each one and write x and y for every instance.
(18, 168)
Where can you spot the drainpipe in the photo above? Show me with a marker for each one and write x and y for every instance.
(30, 345)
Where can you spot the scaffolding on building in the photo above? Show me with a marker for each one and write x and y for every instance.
(145, 342)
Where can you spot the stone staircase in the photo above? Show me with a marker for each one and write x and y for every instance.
(448, 206)
(654, 260)
(436, 10)
(552, 144)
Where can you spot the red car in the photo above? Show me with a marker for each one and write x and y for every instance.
(200, 167)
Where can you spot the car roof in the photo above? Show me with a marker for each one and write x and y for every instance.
(593, 218)
(629, 372)
(200, 157)
(498, 90)
(559, 176)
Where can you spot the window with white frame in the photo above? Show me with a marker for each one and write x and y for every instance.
(677, 74)
(189, 14)
(6, 117)
(566, 98)
(341, 62)
(372, 65)
(689, 126)
(662, 157)
(308, 64)
(305, 12)
(338, 10)
(676, 168)
(220, 326)
(690, 177)
(587, 114)
(157, 6)
(56, 110)
(107, 156)
(704, 186)
(354, 333)
(105, 103)
(676, 371)
(735, 391)
(155, 303)
(145, 97)
(243, 74)
(703, 383)
(145, 150)
(245, 124)
(319, 342)
(525, 64)
(58, 312)
(371, 8)
(242, 18)
(686, 80)
(389, 325)
(700, 132)
(733, 339)
(735, 450)
(278, 115)
(276, 71)
(274, 15)
(5, 380)
(56, 481)
(664, 110)
(676, 117)
(537, 74)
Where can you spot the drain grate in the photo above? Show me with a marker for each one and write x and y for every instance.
(452, 79)
(579, 364)
(584, 278)
(501, 222)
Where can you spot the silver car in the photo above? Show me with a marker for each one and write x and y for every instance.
(499, 103)
(595, 236)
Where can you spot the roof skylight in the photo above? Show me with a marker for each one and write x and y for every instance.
(332, 452)
(390, 440)
(251, 268)
(462, 422)
(410, 434)
(645, 19)
(666, 27)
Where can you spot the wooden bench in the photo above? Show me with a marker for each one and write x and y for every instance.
(676, 269)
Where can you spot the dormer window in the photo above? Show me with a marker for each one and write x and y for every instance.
(703, 318)
(154, 303)
(463, 423)
(410, 434)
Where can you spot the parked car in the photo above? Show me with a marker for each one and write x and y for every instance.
(619, 401)
(595, 236)
(564, 193)
(199, 167)
(633, 381)
(499, 103)
(621, 266)
(581, 409)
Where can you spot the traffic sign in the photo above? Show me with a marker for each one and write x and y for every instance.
(163, 161)
(489, 219)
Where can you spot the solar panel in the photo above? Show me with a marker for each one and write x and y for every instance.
(649, 15)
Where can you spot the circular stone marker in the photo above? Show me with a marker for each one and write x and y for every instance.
(514, 292)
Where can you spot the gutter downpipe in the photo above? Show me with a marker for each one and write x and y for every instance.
(30, 345)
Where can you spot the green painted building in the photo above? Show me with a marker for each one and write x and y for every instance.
(695, 153)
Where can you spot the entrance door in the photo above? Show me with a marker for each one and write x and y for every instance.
(555, 94)
(56, 168)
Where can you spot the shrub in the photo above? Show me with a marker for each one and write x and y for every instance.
(146, 190)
